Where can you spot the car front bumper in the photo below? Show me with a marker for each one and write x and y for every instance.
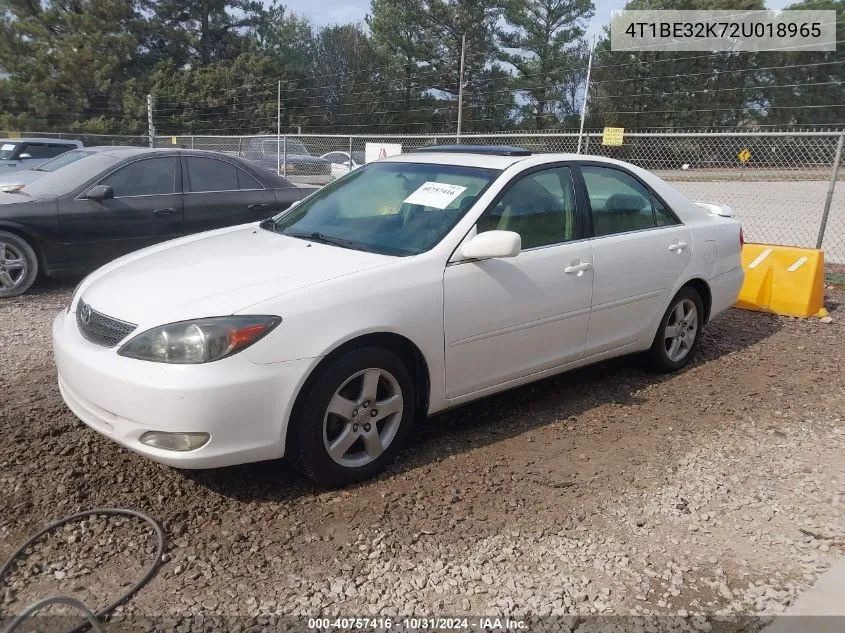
(242, 405)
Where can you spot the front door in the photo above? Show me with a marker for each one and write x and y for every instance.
(146, 209)
(640, 251)
(508, 318)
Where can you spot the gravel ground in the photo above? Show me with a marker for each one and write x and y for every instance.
(718, 491)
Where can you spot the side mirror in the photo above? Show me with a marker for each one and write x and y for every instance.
(492, 244)
(99, 193)
(22, 156)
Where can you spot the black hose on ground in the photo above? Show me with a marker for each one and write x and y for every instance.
(91, 617)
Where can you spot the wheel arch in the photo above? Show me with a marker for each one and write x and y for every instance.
(400, 345)
(30, 238)
(703, 290)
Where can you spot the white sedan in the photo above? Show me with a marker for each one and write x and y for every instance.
(416, 283)
(342, 163)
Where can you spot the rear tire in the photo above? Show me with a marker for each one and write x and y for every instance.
(18, 265)
(677, 338)
(354, 419)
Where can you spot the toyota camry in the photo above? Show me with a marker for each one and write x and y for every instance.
(411, 285)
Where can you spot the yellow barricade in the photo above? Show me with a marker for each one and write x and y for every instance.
(783, 279)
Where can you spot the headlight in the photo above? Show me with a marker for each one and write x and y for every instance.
(200, 341)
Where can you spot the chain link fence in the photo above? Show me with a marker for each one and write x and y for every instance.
(781, 191)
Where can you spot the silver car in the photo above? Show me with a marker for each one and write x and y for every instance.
(19, 178)
(26, 153)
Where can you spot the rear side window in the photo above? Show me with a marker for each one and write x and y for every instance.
(153, 176)
(207, 174)
(245, 181)
(620, 204)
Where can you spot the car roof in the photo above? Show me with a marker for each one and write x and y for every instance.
(33, 139)
(130, 151)
(457, 158)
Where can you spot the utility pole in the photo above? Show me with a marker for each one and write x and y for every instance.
(836, 162)
(151, 130)
(278, 127)
(586, 93)
(461, 87)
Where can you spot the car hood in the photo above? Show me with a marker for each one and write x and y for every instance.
(216, 273)
(20, 176)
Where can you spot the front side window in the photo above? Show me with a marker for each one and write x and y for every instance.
(539, 206)
(394, 208)
(154, 176)
(620, 204)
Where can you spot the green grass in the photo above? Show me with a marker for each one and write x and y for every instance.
(837, 279)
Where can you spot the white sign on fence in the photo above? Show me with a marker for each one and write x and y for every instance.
(375, 151)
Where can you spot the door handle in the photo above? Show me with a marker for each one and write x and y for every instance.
(577, 268)
(163, 212)
(677, 247)
(257, 206)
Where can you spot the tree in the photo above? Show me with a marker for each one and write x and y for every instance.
(796, 79)
(449, 22)
(400, 31)
(200, 32)
(541, 40)
(638, 89)
(344, 70)
(68, 64)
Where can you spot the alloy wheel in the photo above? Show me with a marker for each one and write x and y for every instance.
(363, 417)
(681, 330)
(13, 267)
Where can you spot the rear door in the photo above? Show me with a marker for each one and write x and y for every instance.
(640, 250)
(146, 209)
(219, 193)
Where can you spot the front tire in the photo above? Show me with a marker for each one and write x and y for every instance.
(354, 419)
(18, 265)
(679, 333)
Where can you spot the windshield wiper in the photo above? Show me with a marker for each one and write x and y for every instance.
(316, 236)
(17, 191)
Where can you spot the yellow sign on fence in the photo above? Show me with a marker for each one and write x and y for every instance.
(14, 135)
(744, 155)
(613, 136)
(173, 140)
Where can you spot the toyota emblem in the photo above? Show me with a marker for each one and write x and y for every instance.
(85, 313)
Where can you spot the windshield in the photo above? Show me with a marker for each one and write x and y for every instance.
(389, 208)
(63, 159)
(7, 149)
(63, 181)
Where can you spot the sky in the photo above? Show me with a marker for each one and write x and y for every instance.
(327, 12)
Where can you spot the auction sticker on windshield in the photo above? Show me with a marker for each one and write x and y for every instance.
(435, 194)
(7, 148)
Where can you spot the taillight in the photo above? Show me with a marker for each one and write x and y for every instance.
(741, 238)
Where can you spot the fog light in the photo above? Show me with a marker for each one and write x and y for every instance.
(175, 441)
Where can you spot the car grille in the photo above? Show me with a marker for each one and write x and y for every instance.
(99, 328)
